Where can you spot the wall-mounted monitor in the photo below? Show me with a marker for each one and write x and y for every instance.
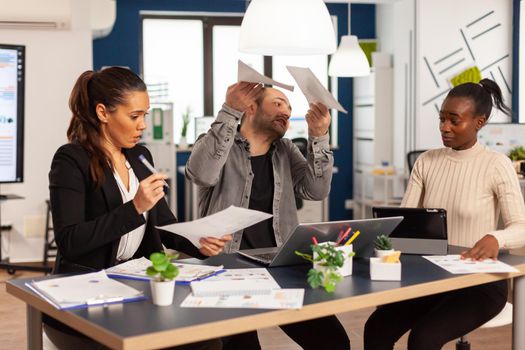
(12, 76)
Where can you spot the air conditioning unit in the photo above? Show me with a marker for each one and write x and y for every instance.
(103, 15)
(35, 14)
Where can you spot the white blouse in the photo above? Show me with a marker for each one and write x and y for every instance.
(130, 242)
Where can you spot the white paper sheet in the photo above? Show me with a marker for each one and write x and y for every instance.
(250, 75)
(136, 269)
(312, 88)
(226, 221)
(277, 299)
(454, 264)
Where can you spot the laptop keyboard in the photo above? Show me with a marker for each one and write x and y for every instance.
(265, 257)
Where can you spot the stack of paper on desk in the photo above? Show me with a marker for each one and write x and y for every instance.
(84, 290)
(243, 288)
(236, 282)
(277, 299)
(136, 269)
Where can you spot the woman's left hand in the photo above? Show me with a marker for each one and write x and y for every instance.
(213, 246)
(486, 248)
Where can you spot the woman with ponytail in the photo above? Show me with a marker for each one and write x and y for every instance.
(105, 203)
(475, 185)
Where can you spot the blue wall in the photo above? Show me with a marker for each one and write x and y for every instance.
(122, 48)
(363, 25)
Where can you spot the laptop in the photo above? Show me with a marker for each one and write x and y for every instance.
(301, 239)
(422, 231)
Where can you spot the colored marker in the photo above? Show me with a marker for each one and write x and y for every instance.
(354, 236)
(343, 236)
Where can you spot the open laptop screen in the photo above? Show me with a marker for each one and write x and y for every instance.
(427, 223)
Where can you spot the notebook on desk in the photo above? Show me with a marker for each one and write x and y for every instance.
(422, 231)
(301, 239)
(80, 291)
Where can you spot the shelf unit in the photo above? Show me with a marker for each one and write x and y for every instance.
(372, 139)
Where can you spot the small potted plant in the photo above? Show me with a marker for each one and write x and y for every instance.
(383, 246)
(517, 155)
(329, 263)
(183, 143)
(163, 281)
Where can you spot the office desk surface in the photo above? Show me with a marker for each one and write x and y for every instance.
(141, 325)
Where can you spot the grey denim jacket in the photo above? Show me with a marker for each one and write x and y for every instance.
(220, 165)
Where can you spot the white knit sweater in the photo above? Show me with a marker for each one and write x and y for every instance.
(474, 186)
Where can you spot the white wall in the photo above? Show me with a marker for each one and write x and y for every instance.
(395, 25)
(476, 33)
(413, 30)
(55, 58)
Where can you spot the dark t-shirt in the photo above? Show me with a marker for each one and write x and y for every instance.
(261, 234)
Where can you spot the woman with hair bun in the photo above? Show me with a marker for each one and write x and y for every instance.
(105, 202)
(475, 185)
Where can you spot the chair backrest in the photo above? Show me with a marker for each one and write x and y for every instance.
(411, 158)
(302, 144)
(50, 248)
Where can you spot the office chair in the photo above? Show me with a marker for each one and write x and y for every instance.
(411, 158)
(502, 319)
(302, 144)
(50, 247)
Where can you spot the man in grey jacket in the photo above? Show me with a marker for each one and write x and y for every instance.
(251, 165)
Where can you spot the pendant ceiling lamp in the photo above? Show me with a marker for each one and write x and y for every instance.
(287, 27)
(349, 59)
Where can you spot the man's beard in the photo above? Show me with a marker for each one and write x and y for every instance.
(268, 126)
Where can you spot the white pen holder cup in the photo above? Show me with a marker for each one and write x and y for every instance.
(381, 271)
(162, 292)
(346, 269)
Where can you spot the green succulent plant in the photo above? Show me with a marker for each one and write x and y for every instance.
(161, 267)
(382, 242)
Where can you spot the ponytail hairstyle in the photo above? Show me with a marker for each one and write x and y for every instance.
(484, 94)
(109, 87)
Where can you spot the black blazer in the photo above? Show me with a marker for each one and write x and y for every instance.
(88, 221)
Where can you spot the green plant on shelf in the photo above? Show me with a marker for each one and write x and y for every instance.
(517, 153)
(328, 259)
(185, 121)
(162, 269)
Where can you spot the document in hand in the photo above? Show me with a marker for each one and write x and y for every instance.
(136, 269)
(84, 290)
(250, 75)
(454, 264)
(236, 282)
(217, 225)
(312, 88)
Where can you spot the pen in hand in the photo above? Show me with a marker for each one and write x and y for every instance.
(150, 167)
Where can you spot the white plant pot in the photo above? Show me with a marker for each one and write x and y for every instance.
(183, 143)
(162, 292)
(381, 271)
(382, 253)
(346, 269)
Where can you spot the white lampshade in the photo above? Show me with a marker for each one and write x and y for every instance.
(287, 27)
(349, 59)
